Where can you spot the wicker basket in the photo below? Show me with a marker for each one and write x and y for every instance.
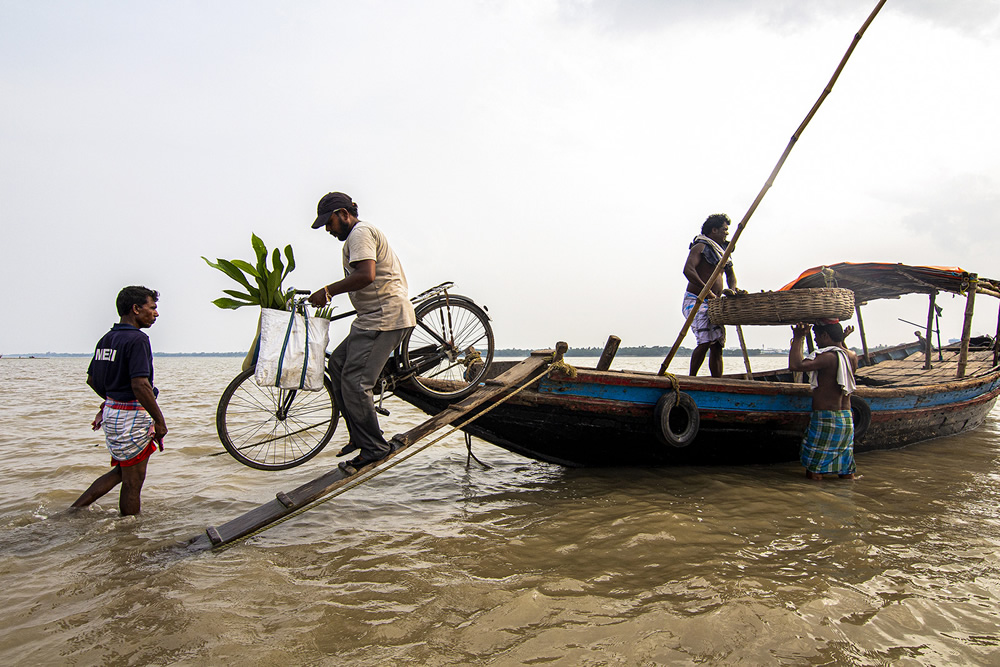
(800, 305)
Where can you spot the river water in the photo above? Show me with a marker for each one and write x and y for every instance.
(440, 563)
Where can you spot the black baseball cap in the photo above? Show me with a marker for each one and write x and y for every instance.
(331, 202)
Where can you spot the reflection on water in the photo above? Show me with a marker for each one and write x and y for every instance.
(435, 562)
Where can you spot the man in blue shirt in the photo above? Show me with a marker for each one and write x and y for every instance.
(121, 372)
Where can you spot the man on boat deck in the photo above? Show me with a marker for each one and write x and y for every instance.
(828, 445)
(376, 284)
(121, 372)
(705, 252)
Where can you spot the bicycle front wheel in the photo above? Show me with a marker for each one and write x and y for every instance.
(273, 429)
(450, 349)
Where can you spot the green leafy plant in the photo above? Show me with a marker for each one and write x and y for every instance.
(326, 312)
(262, 285)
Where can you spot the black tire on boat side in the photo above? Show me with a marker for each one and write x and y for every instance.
(676, 419)
(274, 429)
(862, 415)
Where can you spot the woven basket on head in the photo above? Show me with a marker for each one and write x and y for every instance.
(799, 305)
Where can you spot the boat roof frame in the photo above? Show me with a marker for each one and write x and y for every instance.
(879, 280)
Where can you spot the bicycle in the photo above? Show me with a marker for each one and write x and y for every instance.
(446, 355)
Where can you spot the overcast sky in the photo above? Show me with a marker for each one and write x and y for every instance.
(552, 158)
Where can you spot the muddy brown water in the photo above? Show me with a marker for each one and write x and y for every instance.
(440, 563)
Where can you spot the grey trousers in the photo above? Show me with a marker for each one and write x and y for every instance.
(354, 367)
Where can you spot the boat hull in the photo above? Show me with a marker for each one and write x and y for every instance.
(606, 418)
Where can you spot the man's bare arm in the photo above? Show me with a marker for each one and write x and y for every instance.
(795, 360)
(731, 277)
(691, 271)
(143, 391)
(363, 276)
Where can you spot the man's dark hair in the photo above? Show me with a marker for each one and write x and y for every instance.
(713, 222)
(834, 330)
(134, 295)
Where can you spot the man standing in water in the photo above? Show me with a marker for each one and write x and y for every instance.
(706, 251)
(121, 372)
(376, 284)
(828, 445)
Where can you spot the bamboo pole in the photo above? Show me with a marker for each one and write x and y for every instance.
(861, 330)
(970, 302)
(767, 185)
(928, 345)
(746, 357)
(937, 327)
(996, 341)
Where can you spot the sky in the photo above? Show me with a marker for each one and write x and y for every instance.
(553, 158)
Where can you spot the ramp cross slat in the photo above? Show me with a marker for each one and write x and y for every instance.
(287, 502)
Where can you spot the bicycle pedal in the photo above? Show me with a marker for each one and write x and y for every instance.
(382, 411)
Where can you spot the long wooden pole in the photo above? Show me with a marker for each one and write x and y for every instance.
(767, 185)
(861, 330)
(970, 304)
(746, 356)
(928, 344)
(996, 341)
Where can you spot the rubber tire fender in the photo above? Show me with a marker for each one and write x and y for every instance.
(661, 419)
(862, 415)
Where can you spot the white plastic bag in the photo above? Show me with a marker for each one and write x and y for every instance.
(292, 350)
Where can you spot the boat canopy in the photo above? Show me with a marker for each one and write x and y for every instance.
(873, 280)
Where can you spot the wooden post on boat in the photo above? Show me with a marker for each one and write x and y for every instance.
(928, 346)
(746, 357)
(937, 328)
(610, 349)
(861, 330)
(970, 302)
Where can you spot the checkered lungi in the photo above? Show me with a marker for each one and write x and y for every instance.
(704, 330)
(828, 445)
(128, 429)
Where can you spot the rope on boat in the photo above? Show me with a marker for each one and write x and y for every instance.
(564, 368)
(411, 451)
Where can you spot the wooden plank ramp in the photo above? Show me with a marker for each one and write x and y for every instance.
(286, 503)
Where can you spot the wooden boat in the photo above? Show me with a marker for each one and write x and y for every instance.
(906, 394)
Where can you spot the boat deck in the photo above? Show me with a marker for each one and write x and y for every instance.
(910, 371)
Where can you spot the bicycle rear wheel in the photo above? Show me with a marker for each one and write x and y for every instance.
(450, 349)
(273, 429)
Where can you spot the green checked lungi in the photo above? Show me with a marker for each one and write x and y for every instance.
(828, 446)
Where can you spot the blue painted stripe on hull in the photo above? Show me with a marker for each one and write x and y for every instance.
(736, 402)
(706, 400)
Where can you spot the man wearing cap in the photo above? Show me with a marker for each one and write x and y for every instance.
(376, 284)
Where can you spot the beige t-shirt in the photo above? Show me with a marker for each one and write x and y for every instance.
(383, 305)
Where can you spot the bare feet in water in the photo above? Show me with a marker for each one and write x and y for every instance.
(819, 476)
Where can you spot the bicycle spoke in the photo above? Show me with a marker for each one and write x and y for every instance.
(271, 428)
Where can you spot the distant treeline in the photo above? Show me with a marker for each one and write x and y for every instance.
(155, 354)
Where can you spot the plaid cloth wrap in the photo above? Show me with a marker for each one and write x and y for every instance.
(704, 330)
(128, 428)
(828, 446)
